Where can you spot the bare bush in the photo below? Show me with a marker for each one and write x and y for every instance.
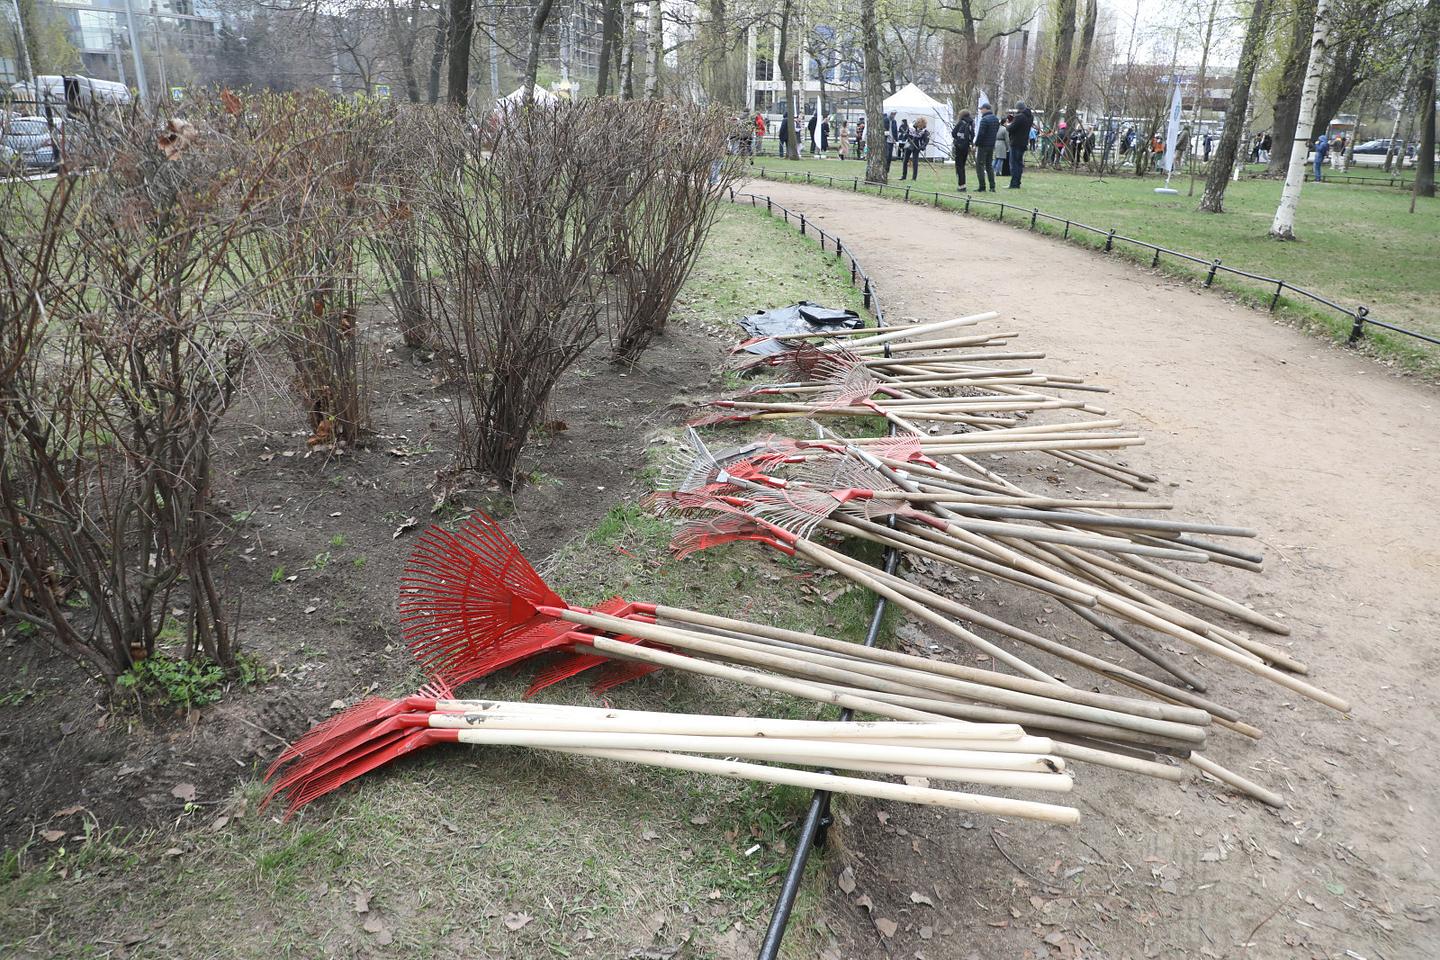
(331, 152)
(682, 171)
(398, 238)
(521, 235)
(126, 328)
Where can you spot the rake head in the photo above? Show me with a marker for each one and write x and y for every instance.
(469, 603)
(700, 535)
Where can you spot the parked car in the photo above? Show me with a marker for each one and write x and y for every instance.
(30, 142)
(1372, 153)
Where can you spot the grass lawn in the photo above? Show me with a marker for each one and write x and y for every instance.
(493, 853)
(1358, 245)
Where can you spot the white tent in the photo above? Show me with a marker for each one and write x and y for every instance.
(518, 96)
(911, 103)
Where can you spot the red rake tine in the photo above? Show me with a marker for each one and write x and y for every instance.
(350, 768)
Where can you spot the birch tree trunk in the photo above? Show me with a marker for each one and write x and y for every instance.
(1284, 226)
(792, 148)
(655, 41)
(627, 51)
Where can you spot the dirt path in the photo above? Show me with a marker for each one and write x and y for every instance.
(1335, 460)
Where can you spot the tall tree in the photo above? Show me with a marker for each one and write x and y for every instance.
(972, 28)
(537, 37)
(1283, 228)
(1213, 200)
(462, 31)
(627, 50)
(609, 40)
(874, 95)
(404, 33)
(437, 51)
(1059, 83)
(787, 73)
(1430, 53)
(1292, 78)
(1077, 77)
(655, 49)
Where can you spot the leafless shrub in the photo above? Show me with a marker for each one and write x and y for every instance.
(684, 170)
(126, 327)
(399, 239)
(332, 150)
(521, 233)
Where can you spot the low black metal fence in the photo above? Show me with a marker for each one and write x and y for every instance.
(1359, 317)
(815, 826)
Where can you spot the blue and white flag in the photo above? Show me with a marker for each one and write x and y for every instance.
(1172, 132)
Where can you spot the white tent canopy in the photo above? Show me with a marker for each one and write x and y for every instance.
(518, 96)
(911, 103)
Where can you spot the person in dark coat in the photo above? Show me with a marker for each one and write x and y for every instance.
(810, 129)
(918, 143)
(825, 137)
(985, 132)
(902, 143)
(785, 135)
(962, 135)
(1018, 131)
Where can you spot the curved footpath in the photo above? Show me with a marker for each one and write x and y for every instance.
(1337, 461)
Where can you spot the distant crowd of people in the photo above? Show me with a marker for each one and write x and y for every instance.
(1000, 146)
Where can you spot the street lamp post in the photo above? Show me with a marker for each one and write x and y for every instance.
(135, 54)
(25, 48)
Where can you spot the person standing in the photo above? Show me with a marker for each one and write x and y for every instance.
(961, 136)
(824, 137)
(892, 138)
(1002, 151)
(985, 134)
(1322, 146)
(784, 133)
(860, 146)
(1266, 142)
(810, 131)
(919, 143)
(1019, 135)
(1206, 143)
(844, 139)
(902, 144)
(759, 131)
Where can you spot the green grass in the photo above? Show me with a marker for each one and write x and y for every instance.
(609, 860)
(1358, 246)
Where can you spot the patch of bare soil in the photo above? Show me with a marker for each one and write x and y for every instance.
(311, 561)
(1333, 458)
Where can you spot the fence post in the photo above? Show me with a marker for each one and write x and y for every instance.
(867, 293)
(807, 176)
(1034, 215)
(839, 249)
(1358, 330)
(1110, 240)
(1002, 213)
(1210, 277)
(856, 185)
(1067, 231)
(769, 207)
(1275, 300)
(852, 271)
(907, 194)
(802, 223)
(937, 198)
(1155, 260)
(967, 204)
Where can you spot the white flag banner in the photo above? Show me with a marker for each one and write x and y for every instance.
(1172, 132)
(981, 102)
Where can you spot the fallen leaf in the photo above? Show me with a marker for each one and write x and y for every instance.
(917, 897)
(887, 928)
(883, 817)
(219, 824)
(864, 901)
(382, 933)
(362, 901)
(69, 811)
(649, 834)
(516, 921)
(846, 880)
(174, 852)
(52, 835)
(699, 819)
(409, 523)
(183, 791)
